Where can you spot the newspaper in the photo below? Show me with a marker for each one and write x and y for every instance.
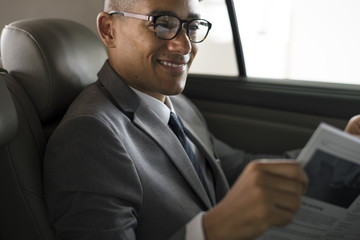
(331, 206)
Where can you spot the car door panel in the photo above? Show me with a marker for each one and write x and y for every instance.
(268, 117)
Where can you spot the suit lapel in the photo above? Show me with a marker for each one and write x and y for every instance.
(129, 103)
(221, 184)
(162, 134)
(194, 127)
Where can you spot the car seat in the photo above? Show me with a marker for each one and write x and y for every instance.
(49, 61)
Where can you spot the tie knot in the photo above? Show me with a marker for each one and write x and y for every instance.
(174, 121)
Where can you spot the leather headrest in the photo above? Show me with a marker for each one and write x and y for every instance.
(8, 116)
(53, 60)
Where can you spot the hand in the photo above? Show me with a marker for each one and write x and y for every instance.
(268, 193)
(353, 126)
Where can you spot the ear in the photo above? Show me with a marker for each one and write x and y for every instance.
(105, 27)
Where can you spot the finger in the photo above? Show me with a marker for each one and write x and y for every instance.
(285, 207)
(276, 207)
(286, 201)
(277, 183)
(282, 217)
(353, 127)
(287, 169)
(283, 167)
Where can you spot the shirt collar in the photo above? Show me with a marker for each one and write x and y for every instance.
(162, 110)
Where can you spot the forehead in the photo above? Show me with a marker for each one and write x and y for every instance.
(180, 8)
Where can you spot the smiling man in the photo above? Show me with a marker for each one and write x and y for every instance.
(156, 67)
(133, 158)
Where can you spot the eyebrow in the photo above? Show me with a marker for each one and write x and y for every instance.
(171, 13)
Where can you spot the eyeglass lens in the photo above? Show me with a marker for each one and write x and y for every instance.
(167, 27)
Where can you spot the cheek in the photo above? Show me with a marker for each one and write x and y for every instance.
(134, 52)
(145, 47)
(193, 53)
(195, 48)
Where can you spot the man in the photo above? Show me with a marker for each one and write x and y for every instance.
(115, 169)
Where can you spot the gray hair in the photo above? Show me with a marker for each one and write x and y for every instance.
(124, 5)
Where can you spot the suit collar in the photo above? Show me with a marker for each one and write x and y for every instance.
(161, 109)
(119, 92)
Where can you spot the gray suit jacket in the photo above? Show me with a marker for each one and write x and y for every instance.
(113, 171)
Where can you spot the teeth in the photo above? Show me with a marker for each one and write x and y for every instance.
(172, 64)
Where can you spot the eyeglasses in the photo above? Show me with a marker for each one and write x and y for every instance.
(168, 27)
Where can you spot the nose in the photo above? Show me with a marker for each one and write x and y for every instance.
(181, 43)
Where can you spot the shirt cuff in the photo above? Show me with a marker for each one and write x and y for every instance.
(194, 229)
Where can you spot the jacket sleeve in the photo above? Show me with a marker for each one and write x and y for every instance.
(85, 168)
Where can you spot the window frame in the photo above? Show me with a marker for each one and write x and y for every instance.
(236, 38)
(336, 100)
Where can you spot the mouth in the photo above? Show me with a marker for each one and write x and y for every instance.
(174, 67)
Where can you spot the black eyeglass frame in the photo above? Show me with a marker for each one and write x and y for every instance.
(153, 19)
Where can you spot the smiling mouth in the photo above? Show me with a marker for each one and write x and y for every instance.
(174, 67)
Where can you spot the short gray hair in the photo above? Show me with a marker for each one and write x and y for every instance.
(116, 5)
(124, 5)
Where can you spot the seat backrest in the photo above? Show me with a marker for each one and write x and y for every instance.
(23, 212)
(8, 116)
(52, 60)
(49, 62)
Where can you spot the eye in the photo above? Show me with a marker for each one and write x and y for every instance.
(197, 25)
(167, 22)
(193, 27)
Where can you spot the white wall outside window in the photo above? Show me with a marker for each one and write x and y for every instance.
(216, 54)
(317, 40)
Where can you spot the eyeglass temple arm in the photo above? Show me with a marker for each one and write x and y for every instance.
(133, 15)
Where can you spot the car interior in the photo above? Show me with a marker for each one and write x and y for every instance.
(46, 62)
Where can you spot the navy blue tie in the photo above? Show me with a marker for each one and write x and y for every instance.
(176, 127)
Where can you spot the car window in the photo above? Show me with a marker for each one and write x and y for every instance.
(301, 39)
(216, 54)
(317, 40)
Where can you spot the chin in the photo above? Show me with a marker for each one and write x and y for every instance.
(174, 91)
